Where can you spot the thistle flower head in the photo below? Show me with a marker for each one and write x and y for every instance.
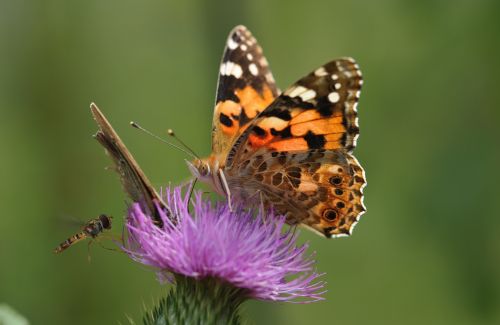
(248, 251)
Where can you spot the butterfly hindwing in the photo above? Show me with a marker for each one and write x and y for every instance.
(245, 88)
(320, 189)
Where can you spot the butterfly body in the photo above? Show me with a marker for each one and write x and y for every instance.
(291, 151)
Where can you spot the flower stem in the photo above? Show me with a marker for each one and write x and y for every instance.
(198, 301)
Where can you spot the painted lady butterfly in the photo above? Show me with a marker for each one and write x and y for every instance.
(134, 181)
(291, 151)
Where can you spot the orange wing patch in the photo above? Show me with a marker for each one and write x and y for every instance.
(234, 117)
(253, 102)
(320, 126)
(228, 111)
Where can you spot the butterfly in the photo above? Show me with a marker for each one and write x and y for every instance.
(134, 181)
(291, 151)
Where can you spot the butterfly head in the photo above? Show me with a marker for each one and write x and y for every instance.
(208, 170)
(200, 168)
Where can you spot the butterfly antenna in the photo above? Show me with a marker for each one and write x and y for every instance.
(172, 134)
(188, 152)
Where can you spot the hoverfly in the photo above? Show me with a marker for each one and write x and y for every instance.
(92, 229)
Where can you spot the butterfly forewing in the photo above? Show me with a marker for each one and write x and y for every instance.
(245, 88)
(317, 112)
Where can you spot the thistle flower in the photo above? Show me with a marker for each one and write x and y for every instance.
(238, 254)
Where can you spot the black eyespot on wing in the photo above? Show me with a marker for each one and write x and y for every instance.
(330, 214)
(335, 180)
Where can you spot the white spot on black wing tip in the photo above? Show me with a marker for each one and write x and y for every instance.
(232, 44)
(294, 91)
(308, 95)
(230, 68)
(320, 72)
(253, 69)
(333, 97)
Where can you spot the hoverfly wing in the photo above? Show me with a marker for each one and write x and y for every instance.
(134, 181)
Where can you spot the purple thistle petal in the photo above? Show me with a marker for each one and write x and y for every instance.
(250, 252)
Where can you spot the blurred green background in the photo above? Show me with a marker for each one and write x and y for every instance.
(426, 252)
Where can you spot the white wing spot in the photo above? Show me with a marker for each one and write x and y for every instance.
(253, 69)
(333, 97)
(243, 47)
(249, 56)
(320, 72)
(309, 94)
(335, 77)
(295, 91)
(237, 71)
(231, 43)
(230, 68)
(338, 85)
(355, 140)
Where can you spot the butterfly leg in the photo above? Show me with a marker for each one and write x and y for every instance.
(226, 189)
(191, 189)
